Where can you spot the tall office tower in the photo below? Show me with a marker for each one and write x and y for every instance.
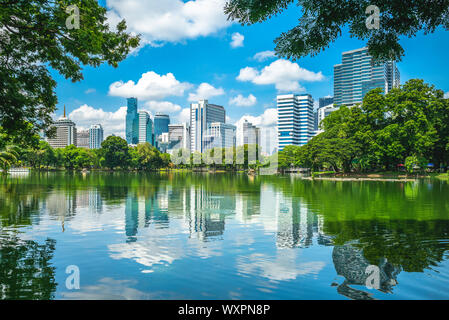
(82, 139)
(315, 120)
(357, 75)
(179, 136)
(132, 122)
(295, 119)
(393, 75)
(95, 136)
(202, 114)
(250, 134)
(146, 133)
(219, 135)
(65, 133)
(161, 122)
(325, 101)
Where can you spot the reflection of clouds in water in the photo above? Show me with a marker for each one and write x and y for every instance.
(163, 246)
(149, 252)
(111, 289)
(86, 220)
(283, 266)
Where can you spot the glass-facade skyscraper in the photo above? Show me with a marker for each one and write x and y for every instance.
(146, 133)
(325, 101)
(161, 122)
(357, 75)
(132, 122)
(95, 136)
(295, 119)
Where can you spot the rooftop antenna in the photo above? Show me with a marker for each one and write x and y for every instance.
(64, 111)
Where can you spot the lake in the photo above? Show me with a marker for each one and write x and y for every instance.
(221, 236)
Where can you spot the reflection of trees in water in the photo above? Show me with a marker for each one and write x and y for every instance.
(18, 203)
(393, 246)
(25, 269)
(350, 263)
(396, 226)
(411, 245)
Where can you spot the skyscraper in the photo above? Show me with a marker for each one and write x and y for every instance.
(161, 122)
(219, 135)
(65, 133)
(357, 75)
(95, 136)
(325, 101)
(82, 139)
(250, 134)
(202, 114)
(132, 122)
(145, 128)
(179, 136)
(295, 119)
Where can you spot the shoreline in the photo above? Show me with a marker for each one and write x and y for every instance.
(382, 176)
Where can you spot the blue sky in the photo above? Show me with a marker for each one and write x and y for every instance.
(199, 51)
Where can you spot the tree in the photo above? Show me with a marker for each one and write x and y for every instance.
(411, 122)
(321, 23)
(115, 152)
(8, 157)
(146, 157)
(33, 37)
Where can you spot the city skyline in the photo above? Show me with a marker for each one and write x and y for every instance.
(215, 71)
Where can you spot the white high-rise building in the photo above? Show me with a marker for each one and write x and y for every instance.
(247, 133)
(82, 139)
(145, 128)
(202, 114)
(323, 112)
(295, 119)
(65, 133)
(219, 135)
(95, 136)
(178, 136)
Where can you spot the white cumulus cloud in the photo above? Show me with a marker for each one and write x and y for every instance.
(162, 106)
(237, 40)
(284, 74)
(159, 21)
(112, 122)
(446, 95)
(151, 86)
(205, 91)
(183, 116)
(241, 101)
(264, 55)
(266, 122)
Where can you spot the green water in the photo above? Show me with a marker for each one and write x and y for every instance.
(221, 236)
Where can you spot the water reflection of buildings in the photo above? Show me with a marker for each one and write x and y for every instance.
(204, 213)
(297, 225)
(65, 205)
(142, 211)
(205, 217)
(247, 208)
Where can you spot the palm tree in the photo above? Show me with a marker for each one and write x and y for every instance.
(8, 157)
